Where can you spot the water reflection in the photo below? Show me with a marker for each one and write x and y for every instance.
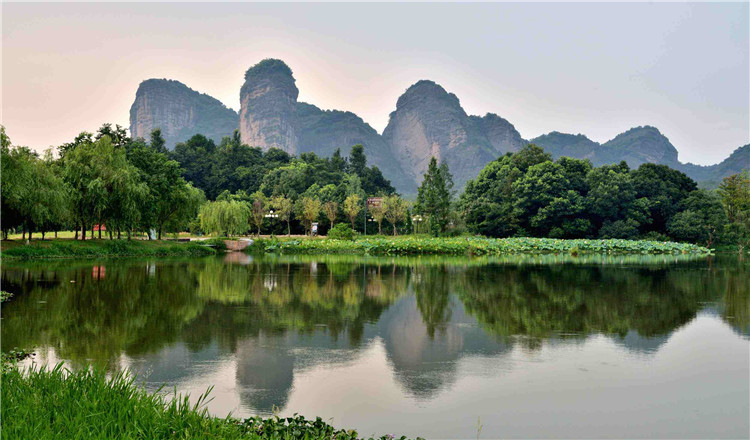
(281, 318)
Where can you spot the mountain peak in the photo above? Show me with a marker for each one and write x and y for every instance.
(643, 144)
(268, 107)
(179, 112)
(268, 66)
(424, 91)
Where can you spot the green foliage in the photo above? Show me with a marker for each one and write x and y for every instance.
(259, 209)
(434, 196)
(525, 193)
(308, 209)
(341, 232)
(225, 217)
(284, 208)
(352, 207)
(53, 403)
(395, 210)
(104, 248)
(416, 245)
(735, 196)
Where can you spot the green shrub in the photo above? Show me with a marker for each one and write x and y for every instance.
(341, 231)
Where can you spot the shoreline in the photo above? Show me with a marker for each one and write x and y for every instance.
(371, 245)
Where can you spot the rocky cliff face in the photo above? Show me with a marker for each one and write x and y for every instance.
(501, 134)
(268, 107)
(179, 111)
(429, 121)
(324, 131)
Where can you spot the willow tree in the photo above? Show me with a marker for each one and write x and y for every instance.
(225, 217)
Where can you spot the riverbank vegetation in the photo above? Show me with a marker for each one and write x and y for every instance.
(527, 193)
(117, 186)
(42, 403)
(103, 248)
(414, 245)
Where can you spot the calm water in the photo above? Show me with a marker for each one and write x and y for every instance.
(527, 347)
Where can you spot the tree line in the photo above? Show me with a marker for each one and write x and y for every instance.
(528, 194)
(135, 186)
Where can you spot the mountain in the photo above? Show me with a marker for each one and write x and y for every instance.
(324, 131)
(570, 145)
(637, 146)
(268, 107)
(179, 111)
(711, 175)
(428, 121)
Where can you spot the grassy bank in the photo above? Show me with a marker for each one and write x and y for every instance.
(52, 404)
(101, 248)
(411, 245)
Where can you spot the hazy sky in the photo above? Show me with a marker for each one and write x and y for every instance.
(596, 69)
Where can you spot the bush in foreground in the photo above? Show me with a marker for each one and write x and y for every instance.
(56, 403)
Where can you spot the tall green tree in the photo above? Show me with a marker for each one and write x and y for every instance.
(434, 196)
(735, 196)
(16, 179)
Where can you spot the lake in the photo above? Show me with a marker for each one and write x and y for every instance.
(438, 347)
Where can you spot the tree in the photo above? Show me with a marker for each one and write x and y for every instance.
(377, 211)
(166, 187)
(310, 208)
(96, 172)
(47, 204)
(735, 196)
(331, 209)
(258, 209)
(665, 189)
(357, 160)
(395, 210)
(225, 217)
(434, 196)
(16, 174)
(157, 141)
(191, 200)
(283, 207)
(352, 206)
(700, 220)
(118, 135)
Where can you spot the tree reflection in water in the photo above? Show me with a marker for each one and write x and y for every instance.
(278, 315)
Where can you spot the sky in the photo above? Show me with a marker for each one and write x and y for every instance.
(591, 68)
